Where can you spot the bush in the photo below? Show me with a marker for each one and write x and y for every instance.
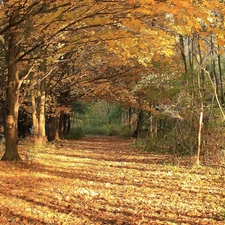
(126, 132)
(168, 143)
(107, 130)
(76, 134)
(96, 130)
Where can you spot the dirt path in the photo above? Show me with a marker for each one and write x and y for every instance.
(107, 181)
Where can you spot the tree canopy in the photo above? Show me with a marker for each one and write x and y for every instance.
(160, 55)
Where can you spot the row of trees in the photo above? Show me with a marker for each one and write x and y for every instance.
(49, 57)
(157, 56)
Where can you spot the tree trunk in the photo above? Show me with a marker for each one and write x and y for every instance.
(214, 73)
(41, 137)
(66, 124)
(38, 116)
(52, 128)
(2, 119)
(34, 116)
(57, 137)
(139, 124)
(11, 146)
(12, 97)
(129, 118)
(199, 137)
(69, 124)
(221, 79)
(61, 126)
(22, 123)
(182, 48)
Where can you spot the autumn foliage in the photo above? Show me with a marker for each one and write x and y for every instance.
(162, 61)
(107, 181)
(53, 55)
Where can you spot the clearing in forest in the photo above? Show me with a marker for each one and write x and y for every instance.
(105, 180)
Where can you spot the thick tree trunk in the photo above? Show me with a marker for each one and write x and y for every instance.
(11, 146)
(40, 138)
(38, 115)
(12, 96)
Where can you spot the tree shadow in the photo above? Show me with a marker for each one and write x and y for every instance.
(99, 194)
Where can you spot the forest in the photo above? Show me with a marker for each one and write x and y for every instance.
(162, 61)
(141, 74)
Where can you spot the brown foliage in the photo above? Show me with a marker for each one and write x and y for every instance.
(107, 181)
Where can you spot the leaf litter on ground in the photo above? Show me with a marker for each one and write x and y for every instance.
(106, 180)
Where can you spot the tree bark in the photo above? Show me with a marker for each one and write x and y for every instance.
(2, 119)
(221, 79)
(38, 113)
(199, 137)
(57, 136)
(11, 146)
(66, 124)
(40, 104)
(41, 137)
(129, 118)
(34, 115)
(12, 96)
(61, 126)
(182, 48)
(22, 123)
(51, 128)
(139, 124)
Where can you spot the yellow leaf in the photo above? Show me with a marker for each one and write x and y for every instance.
(220, 42)
(202, 45)
(220, 51)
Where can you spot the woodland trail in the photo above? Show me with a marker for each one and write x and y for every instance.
(105, 180)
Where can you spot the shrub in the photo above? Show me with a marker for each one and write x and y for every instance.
(108, 130)
(76, 134)
(96, 130)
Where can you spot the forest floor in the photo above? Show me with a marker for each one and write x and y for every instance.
(106, 180)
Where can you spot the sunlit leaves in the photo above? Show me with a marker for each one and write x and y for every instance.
(106, 180)
(100, 35)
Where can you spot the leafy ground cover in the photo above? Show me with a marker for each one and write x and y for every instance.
(107, 181)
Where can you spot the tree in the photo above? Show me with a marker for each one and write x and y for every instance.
(199, 83)
(67, 40)
(12, 88)
(17, 18)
